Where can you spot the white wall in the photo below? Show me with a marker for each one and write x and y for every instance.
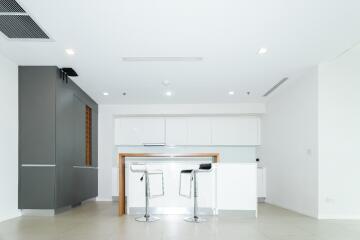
(339, 137)
(107, 113)
(289, 145)
(8, 139)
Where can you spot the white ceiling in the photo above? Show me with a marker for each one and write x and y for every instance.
(225, 33)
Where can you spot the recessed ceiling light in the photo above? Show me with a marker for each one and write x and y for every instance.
(70, 51)
(231, 92)
(168, 93)
(262, 51)
(105, 93)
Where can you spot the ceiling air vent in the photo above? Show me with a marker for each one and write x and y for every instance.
(21, 26)
(275, 87)
(162, 59)
(16, 23)
(10, 6)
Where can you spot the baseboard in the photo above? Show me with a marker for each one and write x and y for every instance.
(103, 199)
(44, 212)
(38, 212)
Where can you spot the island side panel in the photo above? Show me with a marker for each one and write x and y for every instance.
(121, 185)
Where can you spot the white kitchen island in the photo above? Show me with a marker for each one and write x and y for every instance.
(228, 188)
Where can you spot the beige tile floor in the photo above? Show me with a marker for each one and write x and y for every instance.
(96, 220)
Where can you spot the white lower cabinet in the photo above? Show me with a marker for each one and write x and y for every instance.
(236, 186)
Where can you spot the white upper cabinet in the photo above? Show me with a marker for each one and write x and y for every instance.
(235, 131)
(176, 131)
(188, 131)
(139, 130)
(199, 131)
(194, 131)
(153, 131)
(127, 131)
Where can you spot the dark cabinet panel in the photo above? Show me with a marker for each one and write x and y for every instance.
(91, 180)
(52, 132)
(37, 115)
(37, 188)
(85, 183)
(78, 190)
(64, 143)
(93, 183)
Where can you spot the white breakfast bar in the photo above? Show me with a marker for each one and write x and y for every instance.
(228, 188)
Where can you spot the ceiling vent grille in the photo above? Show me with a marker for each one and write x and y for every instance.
(275, 87)
(15, 22)
(162, 59)
(10, 6)
(21, 26)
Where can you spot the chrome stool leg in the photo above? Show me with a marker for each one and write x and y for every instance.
(147, 217)
(195, 218)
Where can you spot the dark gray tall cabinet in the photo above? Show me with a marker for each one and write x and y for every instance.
(54, 167)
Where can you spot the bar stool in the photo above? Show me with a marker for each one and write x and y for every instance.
(205, 167)
(142, 168)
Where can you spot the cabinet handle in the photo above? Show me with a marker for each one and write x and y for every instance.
(38, 165)
(153, 144)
